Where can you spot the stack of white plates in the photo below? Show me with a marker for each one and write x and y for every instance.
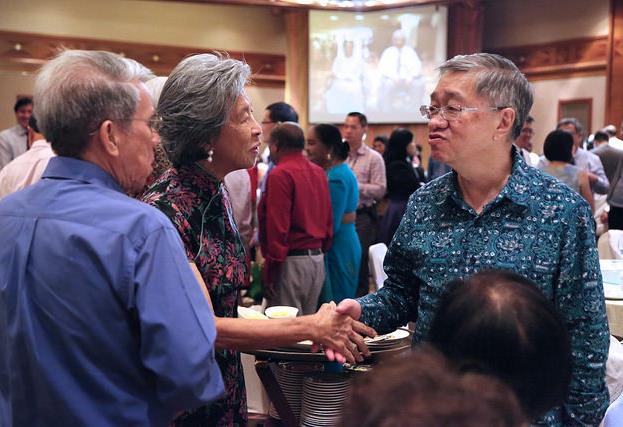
(387, 341)
(323, 399)
(290, 377)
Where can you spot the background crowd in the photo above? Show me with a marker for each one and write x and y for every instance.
(535, 341)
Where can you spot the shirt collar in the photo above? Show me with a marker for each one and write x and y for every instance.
(516, 189)
(362, 149)
(289, 157)
(89, 173)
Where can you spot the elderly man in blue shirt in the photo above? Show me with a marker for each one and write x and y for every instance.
(495, 211)
(102, 321)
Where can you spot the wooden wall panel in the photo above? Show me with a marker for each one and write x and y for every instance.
(27, 51)
(465, 27)
(561, 59)
(614, 85)
(297, 58)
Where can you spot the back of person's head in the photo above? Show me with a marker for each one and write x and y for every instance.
(499, 323)
(154, 87)
(22, 102)
(330, 136)
(32, 123)
(601, 136)
(397, 145)
(499, 81)
(558, 146)
(363, 120)
(423, 389)
(78, 90)
(282, 112)
(288, 136)
(611, 130)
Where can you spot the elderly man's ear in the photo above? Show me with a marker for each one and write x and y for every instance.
(507, 119)
(107, 138)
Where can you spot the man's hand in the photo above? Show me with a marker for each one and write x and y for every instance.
(592, 178)
(340, 335)
(350, 307)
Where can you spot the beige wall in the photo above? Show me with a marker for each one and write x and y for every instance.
(512, 22)
(237, 28)
(547, 94)
(179, 24)
(12, 83)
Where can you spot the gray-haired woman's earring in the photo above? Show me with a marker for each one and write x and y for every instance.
(210, 154)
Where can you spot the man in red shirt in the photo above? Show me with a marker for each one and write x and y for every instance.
(296, 223)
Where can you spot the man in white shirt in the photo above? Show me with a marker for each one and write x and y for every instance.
(26, 168)
(400, 69)
(613, 141)
(14, 140)
(524, 142)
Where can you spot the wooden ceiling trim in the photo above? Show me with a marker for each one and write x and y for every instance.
(279, 4)
(560, 59)
(28, 51)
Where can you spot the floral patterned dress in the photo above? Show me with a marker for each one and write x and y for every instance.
(199, 208)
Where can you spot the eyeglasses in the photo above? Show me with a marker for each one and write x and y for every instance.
(153, 122)
(268, 122)
(451, 112)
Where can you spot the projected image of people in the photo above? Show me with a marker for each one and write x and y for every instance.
(380, 63)
(346, 83)
(401, 85)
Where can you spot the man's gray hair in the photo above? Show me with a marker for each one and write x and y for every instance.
(196, 103)
(579, 129)
(78, 90)
(498, 80)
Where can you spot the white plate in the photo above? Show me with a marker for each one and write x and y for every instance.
(613, 291)
(397, 335)
(249, 313)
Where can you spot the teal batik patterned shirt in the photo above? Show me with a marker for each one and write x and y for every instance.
(537, 227)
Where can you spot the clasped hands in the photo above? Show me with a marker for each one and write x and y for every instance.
(339, 334)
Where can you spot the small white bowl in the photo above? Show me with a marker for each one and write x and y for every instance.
(249, 313)
(281, 312)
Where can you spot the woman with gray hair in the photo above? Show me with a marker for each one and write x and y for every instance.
(208, 130)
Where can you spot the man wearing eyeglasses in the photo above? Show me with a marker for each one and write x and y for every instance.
(524, 142)
(102, 321)
(495, 211)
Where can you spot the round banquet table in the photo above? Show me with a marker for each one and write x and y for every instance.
(612, 274)
(263, 359)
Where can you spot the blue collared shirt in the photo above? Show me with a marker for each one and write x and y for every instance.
(537, 227)
(102, 322)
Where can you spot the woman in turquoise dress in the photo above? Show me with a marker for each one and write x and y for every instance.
(325, 148)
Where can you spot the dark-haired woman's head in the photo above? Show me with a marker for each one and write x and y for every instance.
(423, 388)
(558, 146)
(399, 146)
(499, 323)
(324, 145)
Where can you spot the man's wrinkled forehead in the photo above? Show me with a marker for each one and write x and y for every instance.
(457, 86)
